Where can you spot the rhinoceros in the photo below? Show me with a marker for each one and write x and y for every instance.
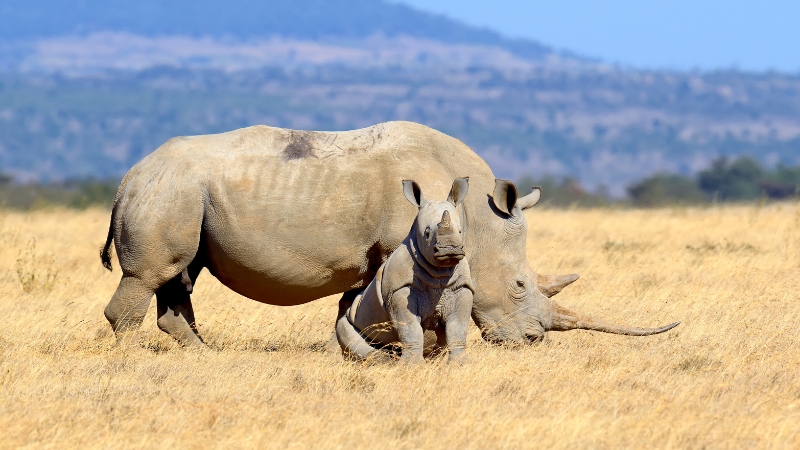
(424, 285)
(285, 217)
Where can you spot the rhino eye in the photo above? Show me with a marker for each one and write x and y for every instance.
(427, 232)
(516, 289)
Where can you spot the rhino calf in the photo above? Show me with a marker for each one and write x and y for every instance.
(425, 284)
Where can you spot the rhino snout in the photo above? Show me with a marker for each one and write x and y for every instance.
(448, 253)
(450, 257)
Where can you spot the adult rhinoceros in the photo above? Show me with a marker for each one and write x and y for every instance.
(285, 217)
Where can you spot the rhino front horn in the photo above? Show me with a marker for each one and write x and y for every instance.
(563, 319)
(445, 226)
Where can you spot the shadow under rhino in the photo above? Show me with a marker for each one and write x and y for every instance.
(286, 217)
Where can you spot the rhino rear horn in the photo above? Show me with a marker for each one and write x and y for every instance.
(530, 199)
(551, 285)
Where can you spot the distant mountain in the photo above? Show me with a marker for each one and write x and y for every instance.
(89, 87)
(246, 19)
(603, 128)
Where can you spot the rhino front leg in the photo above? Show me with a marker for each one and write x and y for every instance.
(175, 312)
(456, 325)
(403, 312)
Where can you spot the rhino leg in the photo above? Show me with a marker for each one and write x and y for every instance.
(158, 233)
(353, 344)
(408, 326)
(344, 304)
(127, 308)
(175, 312)
(456, 324)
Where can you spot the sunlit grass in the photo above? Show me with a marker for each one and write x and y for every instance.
(727, 377)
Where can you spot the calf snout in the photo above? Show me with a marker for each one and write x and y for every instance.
(448, 254)
(449, 247)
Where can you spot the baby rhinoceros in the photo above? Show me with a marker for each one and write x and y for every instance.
(425, 284)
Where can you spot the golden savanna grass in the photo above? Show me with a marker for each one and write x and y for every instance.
(727, 377)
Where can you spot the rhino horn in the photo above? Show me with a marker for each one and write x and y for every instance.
(445, 226)
(564, 319)
(551, 285)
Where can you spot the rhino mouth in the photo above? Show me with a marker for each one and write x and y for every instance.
(448, 254)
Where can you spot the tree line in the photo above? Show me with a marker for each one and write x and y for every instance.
(726, 180)
(740, 179)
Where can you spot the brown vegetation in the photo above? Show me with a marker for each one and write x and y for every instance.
(727, 377)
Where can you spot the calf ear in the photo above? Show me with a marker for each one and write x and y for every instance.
(505, 196)
(530, 199)
(413, 193)
(459, 191)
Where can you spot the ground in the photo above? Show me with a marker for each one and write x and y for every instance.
(727, 377)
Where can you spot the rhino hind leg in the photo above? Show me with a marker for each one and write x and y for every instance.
(127, 308)
(352, 343)
(356, 348)
(344, 304)
(175, 311)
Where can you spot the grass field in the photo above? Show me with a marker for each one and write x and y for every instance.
(727, 377)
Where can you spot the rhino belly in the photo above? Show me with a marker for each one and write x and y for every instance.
(280, 275)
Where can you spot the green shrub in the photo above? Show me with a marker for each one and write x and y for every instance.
(663, 188)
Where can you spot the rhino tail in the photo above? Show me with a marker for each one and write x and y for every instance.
(353, 344)
(105, 251)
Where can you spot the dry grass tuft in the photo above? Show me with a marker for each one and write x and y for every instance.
(727, 377)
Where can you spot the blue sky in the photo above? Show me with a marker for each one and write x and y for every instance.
(677, 34)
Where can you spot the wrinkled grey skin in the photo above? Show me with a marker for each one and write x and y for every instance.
(424, 285)
(285, 217)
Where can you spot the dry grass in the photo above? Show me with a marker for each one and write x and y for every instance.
(726, 378)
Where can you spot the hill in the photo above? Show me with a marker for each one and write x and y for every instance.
(246, 19)
(89, 89)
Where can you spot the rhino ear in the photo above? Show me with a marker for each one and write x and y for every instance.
(459, 191)
(530, 199)
(505, 196)
(413, 193)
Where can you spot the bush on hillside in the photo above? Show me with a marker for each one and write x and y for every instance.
(733, 180)
(78, 194)
(663, 188)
